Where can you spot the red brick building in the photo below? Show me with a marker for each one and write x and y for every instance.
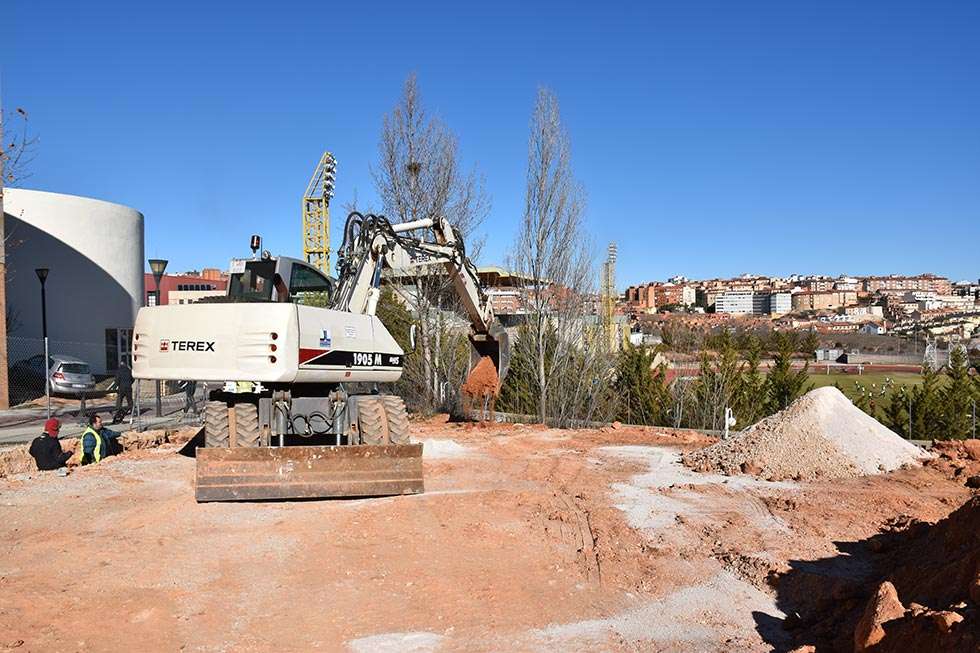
(181, 282)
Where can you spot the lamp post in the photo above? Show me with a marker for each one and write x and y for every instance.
(157, 266)
(42, 276)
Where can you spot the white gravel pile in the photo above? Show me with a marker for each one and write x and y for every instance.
(820, 435)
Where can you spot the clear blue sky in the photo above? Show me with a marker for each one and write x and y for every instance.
(713, 138)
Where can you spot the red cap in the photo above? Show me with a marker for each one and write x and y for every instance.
(52, 426)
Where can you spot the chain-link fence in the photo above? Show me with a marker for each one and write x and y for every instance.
(81, 379)
(168, 404)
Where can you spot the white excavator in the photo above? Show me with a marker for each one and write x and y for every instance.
(282, 369)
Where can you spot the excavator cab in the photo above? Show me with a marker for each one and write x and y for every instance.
(278, 279)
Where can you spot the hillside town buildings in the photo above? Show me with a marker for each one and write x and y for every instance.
(843, 303)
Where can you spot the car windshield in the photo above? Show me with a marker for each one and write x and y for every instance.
(255, 283)
(74, 368)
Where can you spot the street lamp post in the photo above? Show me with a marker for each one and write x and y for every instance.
(42, 276)
(157, 267)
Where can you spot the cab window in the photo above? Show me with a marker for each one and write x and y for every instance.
(255, 283)
(304, 279)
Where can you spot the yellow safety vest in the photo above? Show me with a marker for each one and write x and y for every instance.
(99, 450)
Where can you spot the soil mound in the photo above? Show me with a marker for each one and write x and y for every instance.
(820, 435)
(483, 380)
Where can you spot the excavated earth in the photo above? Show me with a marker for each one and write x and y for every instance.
(527, 538)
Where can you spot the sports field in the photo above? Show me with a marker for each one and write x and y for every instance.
(847, 381)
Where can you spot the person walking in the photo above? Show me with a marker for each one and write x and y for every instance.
(46, 449)
(97, 442)
(190, 387)
(124, 390)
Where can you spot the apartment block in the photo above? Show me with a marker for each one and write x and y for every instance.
(780, 303)
(742, 302)
(820, 301)
(896, 284)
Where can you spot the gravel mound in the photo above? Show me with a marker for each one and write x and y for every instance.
(820, 435)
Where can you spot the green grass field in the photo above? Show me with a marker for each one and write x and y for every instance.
(847, 381)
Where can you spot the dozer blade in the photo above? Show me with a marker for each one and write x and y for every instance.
(245, 473)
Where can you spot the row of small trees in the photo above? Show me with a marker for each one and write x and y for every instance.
(727, 378)
(942, 407)
(627, 387)
(632, 390)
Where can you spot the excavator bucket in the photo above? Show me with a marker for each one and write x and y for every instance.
(495, 345)
(255, 473)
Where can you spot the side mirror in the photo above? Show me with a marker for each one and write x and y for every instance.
(411, 337)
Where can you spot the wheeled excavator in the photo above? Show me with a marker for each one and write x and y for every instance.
(285, 371)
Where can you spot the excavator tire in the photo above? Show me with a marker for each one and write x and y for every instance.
(247, 423)
(216, 425)
(372, 422)
(397, 419)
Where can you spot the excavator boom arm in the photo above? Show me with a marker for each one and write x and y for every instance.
(371, 242)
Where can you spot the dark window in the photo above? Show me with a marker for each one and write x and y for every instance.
(305, 279)
(255, 283)
(75, 368)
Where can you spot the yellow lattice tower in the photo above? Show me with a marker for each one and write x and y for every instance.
(316, 213)
(608, 297)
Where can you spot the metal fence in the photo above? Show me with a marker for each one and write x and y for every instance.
(86, 385)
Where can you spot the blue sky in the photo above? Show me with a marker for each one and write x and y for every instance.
(713, 138)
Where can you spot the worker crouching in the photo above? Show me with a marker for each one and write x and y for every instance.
(46, 449)
(97, 442)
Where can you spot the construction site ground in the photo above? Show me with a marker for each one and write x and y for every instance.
(527, 538)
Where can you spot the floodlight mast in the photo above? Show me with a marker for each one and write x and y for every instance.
(316, 213)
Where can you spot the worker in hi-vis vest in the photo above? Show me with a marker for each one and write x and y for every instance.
(96, 441)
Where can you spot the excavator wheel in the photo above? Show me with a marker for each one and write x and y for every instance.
(216, 425)
(397, 419)
(247, 425)
(372, 423)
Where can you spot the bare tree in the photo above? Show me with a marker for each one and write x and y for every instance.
(554, 257)
(419, 176)
(16, 150)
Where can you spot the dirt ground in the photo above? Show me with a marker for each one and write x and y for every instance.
(526, 538)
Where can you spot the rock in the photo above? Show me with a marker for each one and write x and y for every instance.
(917, 609)
(617, 425)
(945, 619)
(883, 606)
(753, 467)
(973, 482)
(972, 448)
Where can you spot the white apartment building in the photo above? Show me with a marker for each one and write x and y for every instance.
(742, 302)
(780, 303)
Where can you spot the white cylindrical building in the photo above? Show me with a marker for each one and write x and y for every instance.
(94, 251)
